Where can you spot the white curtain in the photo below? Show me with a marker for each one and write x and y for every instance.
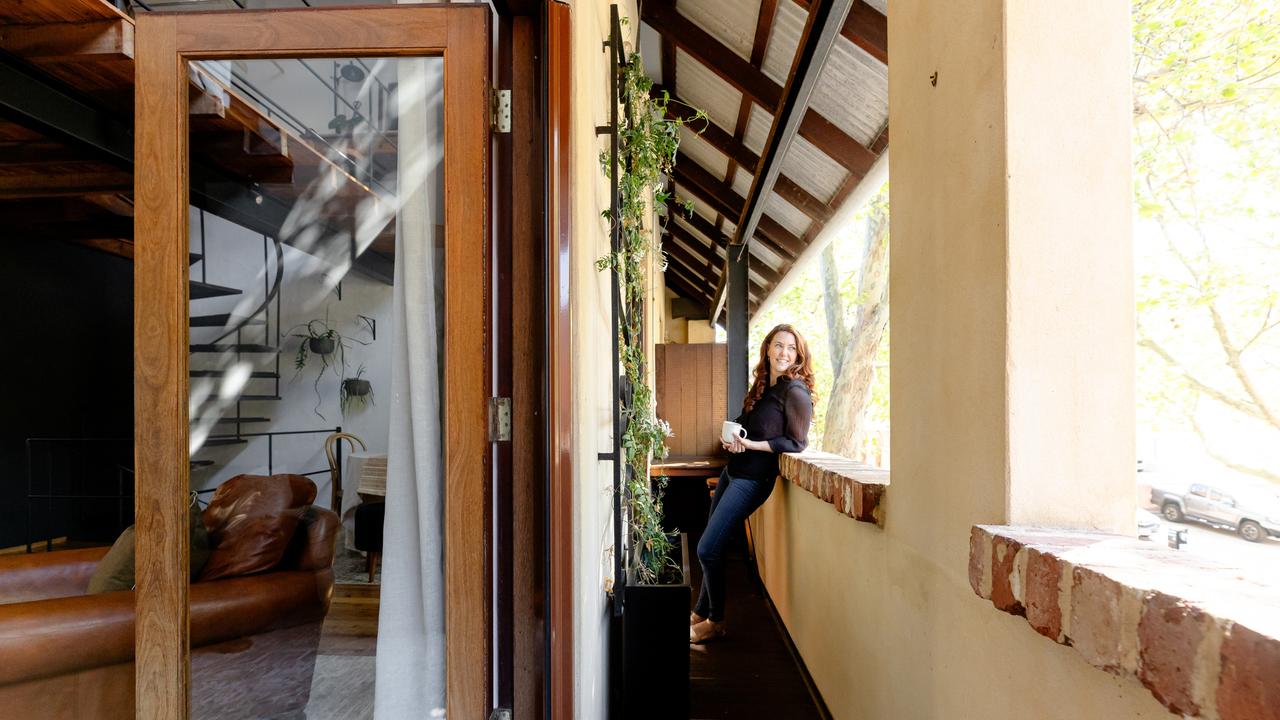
(410, 681)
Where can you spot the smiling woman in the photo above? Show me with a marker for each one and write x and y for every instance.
(775, 416)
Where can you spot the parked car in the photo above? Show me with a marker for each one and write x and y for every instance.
(1148, 525)
(1253, 519)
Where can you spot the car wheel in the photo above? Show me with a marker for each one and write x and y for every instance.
(1171, 512)
(1251, 531)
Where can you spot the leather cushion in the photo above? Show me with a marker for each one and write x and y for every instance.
(116, 569)
(251, 520)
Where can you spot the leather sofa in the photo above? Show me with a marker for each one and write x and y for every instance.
(65, 655)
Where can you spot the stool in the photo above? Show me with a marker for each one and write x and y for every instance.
(369, 518)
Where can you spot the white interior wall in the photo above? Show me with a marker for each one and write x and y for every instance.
(235, 259)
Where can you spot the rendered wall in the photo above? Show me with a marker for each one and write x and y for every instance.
(591, 341)
(1012, 379)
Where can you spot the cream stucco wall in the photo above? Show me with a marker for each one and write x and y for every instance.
(1012, 389)
(591, 337)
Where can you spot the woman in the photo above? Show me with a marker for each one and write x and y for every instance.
(776, 416)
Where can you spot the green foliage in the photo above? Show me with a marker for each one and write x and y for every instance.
(1207, 175)
(647, 144)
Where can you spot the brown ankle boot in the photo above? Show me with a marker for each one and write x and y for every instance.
(695, 618)
(705, 631)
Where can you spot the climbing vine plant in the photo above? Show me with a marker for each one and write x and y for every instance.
(647, 144)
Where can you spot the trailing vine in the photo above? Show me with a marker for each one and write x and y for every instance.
(647, 144)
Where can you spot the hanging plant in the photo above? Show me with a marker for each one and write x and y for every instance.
(356, 392)
(319, 339)
(647, 144)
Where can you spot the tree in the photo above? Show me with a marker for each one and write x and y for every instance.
(1207, 173)
(854, 349)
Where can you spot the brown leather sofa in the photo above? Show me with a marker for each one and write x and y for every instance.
(65, 655)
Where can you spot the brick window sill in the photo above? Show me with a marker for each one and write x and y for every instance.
(1203, 638)
(855, 489)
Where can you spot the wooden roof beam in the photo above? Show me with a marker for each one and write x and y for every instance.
(690, 280)
(790, 112)
(721, 140)
(723, 199)
(69, 42)
(662, 16)
(683, 263)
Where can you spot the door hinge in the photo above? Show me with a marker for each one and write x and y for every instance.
(499, 419)
(500, 110)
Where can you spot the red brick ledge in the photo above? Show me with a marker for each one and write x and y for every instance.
(1200, 635)
(855, 489)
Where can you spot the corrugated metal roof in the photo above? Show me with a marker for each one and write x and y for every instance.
(786, 214)
(788, 24)
(701, 151)
(853, 91)
(813, 169)
(687, 226)
(758, 124)
(703, 89)
(742, 182)
(732, 21)
(763, 253)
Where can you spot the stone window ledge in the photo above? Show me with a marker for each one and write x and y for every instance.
(855, 489)
(1200, 635)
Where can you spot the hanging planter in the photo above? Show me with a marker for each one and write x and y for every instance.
(318, 339)
(321, 345)
(356, 392)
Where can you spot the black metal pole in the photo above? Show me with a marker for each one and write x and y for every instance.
(736, 327)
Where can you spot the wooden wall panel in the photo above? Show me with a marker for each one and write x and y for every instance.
(690, 394)
(720, 381)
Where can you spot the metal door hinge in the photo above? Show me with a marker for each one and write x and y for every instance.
(499, 419)
(500, 110)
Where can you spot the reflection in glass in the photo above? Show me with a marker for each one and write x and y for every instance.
(316, 306)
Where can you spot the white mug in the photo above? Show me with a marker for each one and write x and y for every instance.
(731, 431)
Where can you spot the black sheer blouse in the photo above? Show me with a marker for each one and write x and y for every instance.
(780, 417)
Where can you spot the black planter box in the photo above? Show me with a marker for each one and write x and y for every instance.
(655, 647)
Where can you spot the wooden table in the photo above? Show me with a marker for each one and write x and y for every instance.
(698, 466)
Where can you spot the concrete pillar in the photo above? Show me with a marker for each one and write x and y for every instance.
(736, 328)
(1011, 286)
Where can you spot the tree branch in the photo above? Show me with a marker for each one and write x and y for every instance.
(1258, 472)
(1200, 386)
(1237, 367)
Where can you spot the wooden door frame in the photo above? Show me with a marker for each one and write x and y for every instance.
(461, 34)
(560, 447)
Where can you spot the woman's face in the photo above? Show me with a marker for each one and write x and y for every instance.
(782, 352)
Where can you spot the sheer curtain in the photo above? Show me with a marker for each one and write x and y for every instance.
(411, 642)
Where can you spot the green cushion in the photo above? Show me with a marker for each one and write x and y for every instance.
(115, 571)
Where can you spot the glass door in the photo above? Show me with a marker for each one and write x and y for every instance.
(310, 337)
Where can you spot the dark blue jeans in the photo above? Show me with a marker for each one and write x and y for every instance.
(735, 499)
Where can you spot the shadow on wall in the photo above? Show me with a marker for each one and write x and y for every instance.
(68, 371)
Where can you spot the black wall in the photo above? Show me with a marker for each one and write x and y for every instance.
(68, 373)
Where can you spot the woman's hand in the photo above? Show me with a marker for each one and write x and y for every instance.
(741, 445)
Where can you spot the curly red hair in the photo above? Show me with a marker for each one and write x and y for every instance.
(801, 369)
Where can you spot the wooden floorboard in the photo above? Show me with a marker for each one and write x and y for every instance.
(749, 673)
(351, 627)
